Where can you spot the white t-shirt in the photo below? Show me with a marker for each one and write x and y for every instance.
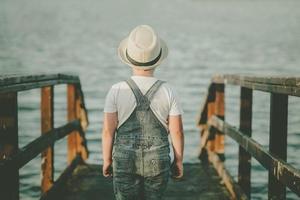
(121, 99)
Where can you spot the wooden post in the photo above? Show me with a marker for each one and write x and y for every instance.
(81, 148)
(278, 141)
(244, 169)
(219, 112)
(75, 141)
(9, 180)
(72, 138)
(210, 112)
(47, 165)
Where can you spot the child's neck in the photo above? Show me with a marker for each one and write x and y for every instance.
(143, 73)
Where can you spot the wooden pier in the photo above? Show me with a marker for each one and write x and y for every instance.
(214, 127)
(199, 182)
(207, 179)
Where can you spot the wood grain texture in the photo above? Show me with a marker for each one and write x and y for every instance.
(9, 179)
(34, 148)
(284, 172)
(47, 123)
(280, 85)
(278, 141)
(244, 166)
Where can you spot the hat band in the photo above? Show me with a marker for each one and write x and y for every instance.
(136, 63)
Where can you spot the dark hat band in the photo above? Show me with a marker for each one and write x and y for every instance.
(136, 63)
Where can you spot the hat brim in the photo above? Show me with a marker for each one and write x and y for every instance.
(122, 55)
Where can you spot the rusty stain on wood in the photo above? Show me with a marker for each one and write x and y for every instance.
(80, 142)
(76, 144)
(214, 104)
(220, 112)
(284, 172)
(210, 145)
(47, 156)
(72, 138)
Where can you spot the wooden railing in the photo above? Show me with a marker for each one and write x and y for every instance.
(12, 158)
(214, 126)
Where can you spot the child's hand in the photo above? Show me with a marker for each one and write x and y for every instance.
(107, 169)
(177, 170)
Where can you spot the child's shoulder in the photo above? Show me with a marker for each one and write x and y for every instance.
(166, 85)
(119, 85)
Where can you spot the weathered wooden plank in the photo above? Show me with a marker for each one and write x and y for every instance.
(208, 97)
(81, 142)
(210, 145)
(208, 110)
(9, 180)
(278, 141)
(244, 169)
(213, 104)
(72, 137)
(220, 112)
(82, 112)
(76, 110)
(15, 83)
(12, 79)
(47, 122)
(35, 147)
(269, 80)
(33, 85)
(56, 191)
(234, 189)
(13, 159)
(282, 89)
(199, 182)
(285, 173)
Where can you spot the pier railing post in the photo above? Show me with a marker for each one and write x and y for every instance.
(278, 141)
(214, 105)
(72, 138)
(79, 115)
(244, 168)
(47, 164)
(75, 141)
(219, 112)
(210, 112)
(9, 180)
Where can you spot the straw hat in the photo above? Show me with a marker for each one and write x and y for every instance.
(142, 49)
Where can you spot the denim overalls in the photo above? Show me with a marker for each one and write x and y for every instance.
(141, 161)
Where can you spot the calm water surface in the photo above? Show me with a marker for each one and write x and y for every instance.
(204, 38)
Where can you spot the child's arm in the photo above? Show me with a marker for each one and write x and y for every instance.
(177, 137)
(110, 123)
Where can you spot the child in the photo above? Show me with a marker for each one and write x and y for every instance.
(142, 111)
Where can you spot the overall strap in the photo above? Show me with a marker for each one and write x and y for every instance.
(143, 101)
(140, 98)
(153, 89)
